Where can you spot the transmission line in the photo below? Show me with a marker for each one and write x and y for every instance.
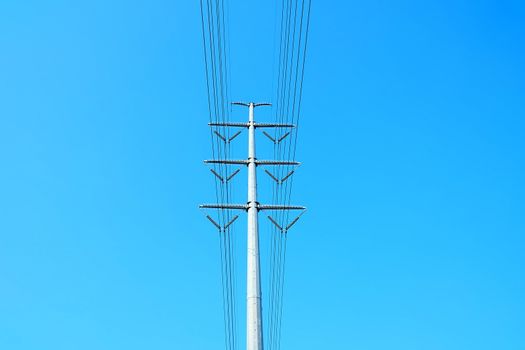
(217, 80)
(293, 34)
(290, 76)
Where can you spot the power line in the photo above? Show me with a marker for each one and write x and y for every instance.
(289, 95)
(216, 66)
(289, 87)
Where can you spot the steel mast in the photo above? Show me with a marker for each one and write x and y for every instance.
(254, 331)
(254, 339)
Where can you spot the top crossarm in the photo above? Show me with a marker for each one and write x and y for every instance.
(236, 125)
(241, 104)
(257, 125)
(224, 206)
(245, 104)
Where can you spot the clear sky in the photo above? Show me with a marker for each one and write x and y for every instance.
(412, 143)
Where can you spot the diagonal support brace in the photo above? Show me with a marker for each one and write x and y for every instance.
(287, 228)
(279, 182)
(225, 227)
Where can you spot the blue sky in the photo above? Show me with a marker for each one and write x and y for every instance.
(412, 146)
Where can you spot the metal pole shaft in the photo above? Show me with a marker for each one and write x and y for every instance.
(253, 302)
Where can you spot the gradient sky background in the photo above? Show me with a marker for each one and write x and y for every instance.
(412, 143)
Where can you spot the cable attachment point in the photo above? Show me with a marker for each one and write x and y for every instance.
(287, 228)
(219, 227)
(276, 141)
(222, 179)
(279, 182)
(224, 138)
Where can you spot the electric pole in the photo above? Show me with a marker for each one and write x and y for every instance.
(253, 288)
(254, 331)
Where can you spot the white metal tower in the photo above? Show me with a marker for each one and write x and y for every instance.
(254, 331)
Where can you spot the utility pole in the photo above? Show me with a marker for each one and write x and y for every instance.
(253, 288)
(254, 331)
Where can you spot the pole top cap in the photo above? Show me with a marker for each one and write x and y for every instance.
(246, 104)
